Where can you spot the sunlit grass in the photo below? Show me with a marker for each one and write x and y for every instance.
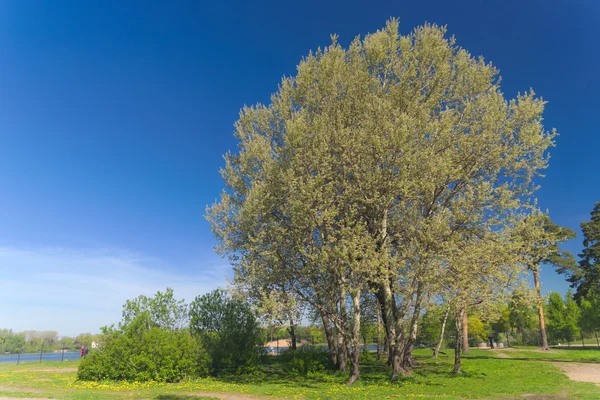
(485, 376)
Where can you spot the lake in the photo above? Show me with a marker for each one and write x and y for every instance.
(35, 357)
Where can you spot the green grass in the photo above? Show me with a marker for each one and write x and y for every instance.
(485, 376)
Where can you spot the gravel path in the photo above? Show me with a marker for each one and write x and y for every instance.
(583, 372)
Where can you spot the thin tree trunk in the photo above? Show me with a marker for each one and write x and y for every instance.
(538, 290)
(458, 344)
(378, 331)
(596, 334)
(408, 360)
(342, 355)
(330, 339)
(465, 332)
(292, 331)
(441, 338)
(355, 351)
(343, 352)
(385, 298)
(582, 341)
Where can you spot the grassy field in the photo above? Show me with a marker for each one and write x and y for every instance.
(488, 374)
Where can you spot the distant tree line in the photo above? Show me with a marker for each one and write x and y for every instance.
(32, 341)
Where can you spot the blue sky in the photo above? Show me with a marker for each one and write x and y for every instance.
(114, 117)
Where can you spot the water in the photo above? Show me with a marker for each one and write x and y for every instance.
(35, 357)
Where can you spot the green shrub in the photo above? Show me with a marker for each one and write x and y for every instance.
(304, 361)
(228, 330)
(139, 354)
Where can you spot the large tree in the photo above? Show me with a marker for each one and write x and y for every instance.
(587, 277)
(541, 246)
(367, 167)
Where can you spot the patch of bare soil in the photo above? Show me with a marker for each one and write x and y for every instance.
(23, 398)
(70, 369)
(582, 372)
(222, 396)
(18, 389)
(545, 351)
(502, 355)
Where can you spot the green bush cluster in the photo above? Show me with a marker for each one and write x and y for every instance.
(228, 329)
(305, 361)
(148, 354)
(223, 335)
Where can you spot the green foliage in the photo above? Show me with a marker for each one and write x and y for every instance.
(555, 316)
(148, 346)
(563, 317)
(571, 328)
(587, 277)
(11, 342)
(521, 316)
(589, 318)
(305, 361)
(154, 354)
(477, 329)
(163, 309)
(430, 325)
(227, 328)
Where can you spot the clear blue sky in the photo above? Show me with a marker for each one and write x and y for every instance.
(114, 116)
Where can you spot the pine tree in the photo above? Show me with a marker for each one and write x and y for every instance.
(587, 277)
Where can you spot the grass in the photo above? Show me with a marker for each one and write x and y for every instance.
(485, 376)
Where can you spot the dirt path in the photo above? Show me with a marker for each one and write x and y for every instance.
(223, 396)
(583, 372)
(70, 369)
(23, 398)
(19, 389)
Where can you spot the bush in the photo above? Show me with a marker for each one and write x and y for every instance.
(228, 329)
(140, 354)
(305, 361)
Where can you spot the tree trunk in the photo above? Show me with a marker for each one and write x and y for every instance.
(398, 357)
(384, 295)
(330, 340)
(441, 338)
(355, 351)
(507, 339)
(407, 357)
(342, 339)
(342, 355)
(292, 331)
(465, 332)
(378, 331)
(582, 341)
(538, 291)
(596, 334)
(459, 319)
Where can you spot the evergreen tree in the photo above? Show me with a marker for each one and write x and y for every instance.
(587, 277)
(571, 318)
